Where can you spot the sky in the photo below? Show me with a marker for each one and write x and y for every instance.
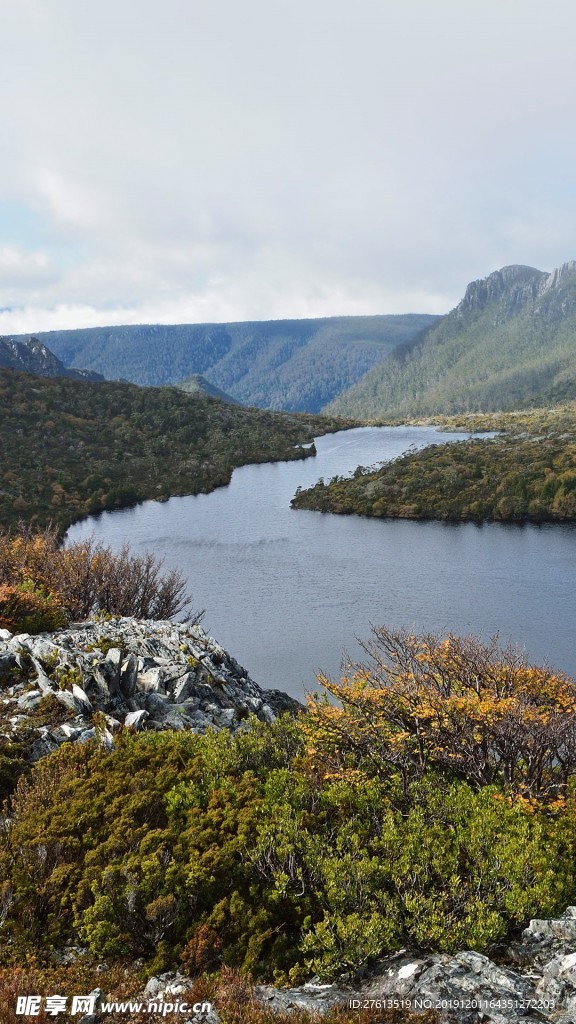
(184, 161)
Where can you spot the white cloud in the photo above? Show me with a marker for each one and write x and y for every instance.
(221, 160)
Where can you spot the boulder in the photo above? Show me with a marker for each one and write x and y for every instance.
(80, 696)
(41, 747)
(129, 675)
(151, 681)
(168, 675)
(136, 719)
(30, 700)
(184, 687)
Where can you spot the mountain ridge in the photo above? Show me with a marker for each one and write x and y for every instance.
(285, 365)
(509, 343)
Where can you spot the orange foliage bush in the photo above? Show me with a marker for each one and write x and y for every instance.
(48, 584)
(26, 608)
(473, 709)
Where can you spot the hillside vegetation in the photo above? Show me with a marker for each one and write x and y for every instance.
(311, 845)
(197, 383)
(526, 475)
(71, 448)
(510, 343)
(296, 365)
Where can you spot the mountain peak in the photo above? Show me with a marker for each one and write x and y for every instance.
(559, 276)
(509, 344)
(516, 284)
(32, 356)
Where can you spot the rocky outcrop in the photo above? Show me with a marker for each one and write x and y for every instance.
(140, 675)
(515, 286)
(32, 356)
(530, 981)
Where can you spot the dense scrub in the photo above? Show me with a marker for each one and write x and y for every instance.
(431, 807)
(71, 448)
(529, 475)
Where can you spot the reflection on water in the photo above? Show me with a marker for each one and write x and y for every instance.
(288, 592)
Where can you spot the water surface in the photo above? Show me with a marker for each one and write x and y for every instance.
(287, 592)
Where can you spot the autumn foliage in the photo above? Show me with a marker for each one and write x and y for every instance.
(480, 712)
(43, 584)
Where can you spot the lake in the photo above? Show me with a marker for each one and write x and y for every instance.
(287, 592)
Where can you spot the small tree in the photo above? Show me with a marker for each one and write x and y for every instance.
(83, 578)
(475, 710)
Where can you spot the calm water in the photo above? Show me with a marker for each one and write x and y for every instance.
(288, 592)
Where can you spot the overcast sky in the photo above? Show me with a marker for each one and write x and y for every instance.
(195, 160)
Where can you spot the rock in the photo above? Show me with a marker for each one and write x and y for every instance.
(97, 685)
(168, 675)
(30, 700)
(151, 681)
(5, 634)
(43, 649)
(311, 997)
(7, 662)
(184, 687)
(227, 718)
(44, 682)
(128, 675)
(113, 662)
(136, 719)
(558, 982)
(280, 702)
(82, 699)
(175, 718)
(112, 723)
(69, 701)
(266, 713)
(544, 931)
(65, 733)
(86, 735)
(152, 987)
(156, 704)
(41, 747)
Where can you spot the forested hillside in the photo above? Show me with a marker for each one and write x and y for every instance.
(69, 448)
(279, 364)
(528, 474)
(509, 344)
(196, 383)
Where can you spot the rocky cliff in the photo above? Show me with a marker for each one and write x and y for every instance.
(32, 356)
(91, 679)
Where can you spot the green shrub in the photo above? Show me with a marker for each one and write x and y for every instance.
(230, 850)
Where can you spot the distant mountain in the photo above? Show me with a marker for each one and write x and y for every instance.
(196, 384)
(278, 364)
(32, 356)
(510, 343)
